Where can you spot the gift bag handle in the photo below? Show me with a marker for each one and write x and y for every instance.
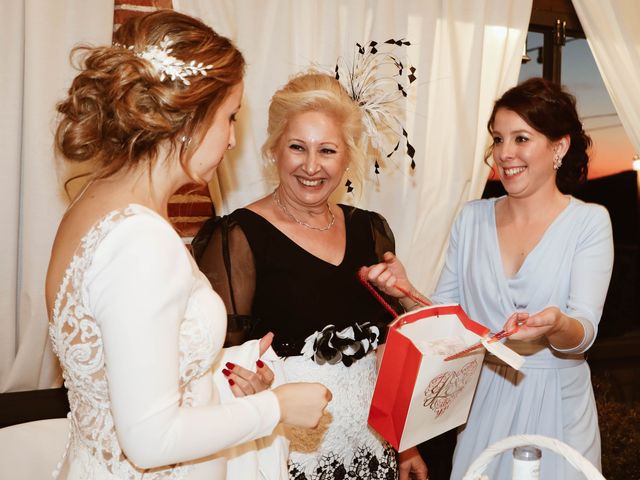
(381, 299)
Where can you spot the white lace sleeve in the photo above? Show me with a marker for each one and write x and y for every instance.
(138, 288)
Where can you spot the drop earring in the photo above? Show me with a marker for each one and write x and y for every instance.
(557, 161)
(348, 183)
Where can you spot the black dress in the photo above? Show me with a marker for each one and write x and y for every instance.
(269, 283)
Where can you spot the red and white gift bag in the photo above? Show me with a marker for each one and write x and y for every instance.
(419, 395)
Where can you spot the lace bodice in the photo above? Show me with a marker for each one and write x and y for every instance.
(129, 292)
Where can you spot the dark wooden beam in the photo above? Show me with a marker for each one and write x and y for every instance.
(545, 13)
(556, 20)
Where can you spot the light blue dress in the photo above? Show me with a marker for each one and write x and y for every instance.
(551, 395)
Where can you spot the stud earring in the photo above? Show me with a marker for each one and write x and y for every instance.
(185, 140)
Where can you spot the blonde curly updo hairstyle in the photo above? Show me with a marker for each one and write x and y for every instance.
(316, 91)
(118, 112)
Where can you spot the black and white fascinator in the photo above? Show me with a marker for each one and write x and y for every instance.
(378, 80)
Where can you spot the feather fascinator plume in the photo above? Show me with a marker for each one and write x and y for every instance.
(377, 80)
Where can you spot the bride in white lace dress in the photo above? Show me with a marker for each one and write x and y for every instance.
(135, 324)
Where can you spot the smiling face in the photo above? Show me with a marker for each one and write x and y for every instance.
(220, 136)
(523, 156)
(311, 157)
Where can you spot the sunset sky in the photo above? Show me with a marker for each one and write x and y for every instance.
(612, 151)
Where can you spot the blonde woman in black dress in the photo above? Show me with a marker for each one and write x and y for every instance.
(287, 263)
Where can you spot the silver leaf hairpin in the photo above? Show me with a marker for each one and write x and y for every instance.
(377, 81)
(168, 66)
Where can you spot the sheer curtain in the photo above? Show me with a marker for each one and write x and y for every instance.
(466, 54)
(36, 37)
(611, 27)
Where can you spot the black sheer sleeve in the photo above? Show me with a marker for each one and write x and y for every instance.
(223, 254)
(382, 236)
(384, 241)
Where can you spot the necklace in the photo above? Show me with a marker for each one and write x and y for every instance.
(276, 198)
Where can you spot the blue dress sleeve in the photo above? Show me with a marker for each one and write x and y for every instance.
(590, 275)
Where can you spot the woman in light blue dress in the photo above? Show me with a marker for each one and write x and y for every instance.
(535, 256)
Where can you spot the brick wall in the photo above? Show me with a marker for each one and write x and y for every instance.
(191, 206)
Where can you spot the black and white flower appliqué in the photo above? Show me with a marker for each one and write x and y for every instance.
(346, 346)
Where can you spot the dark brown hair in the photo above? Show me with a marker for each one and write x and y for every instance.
(118, 111)
(549, 109)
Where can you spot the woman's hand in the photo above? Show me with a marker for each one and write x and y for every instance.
(561, 330)
(386, 275)
(390, 277)
(302, 404)
(515, 323)
(412, 466)
(530, 328)
(533, 327)
(244, 382)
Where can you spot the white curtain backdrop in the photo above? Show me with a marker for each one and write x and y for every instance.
(36, 37)
(466, 53)
(612, 28)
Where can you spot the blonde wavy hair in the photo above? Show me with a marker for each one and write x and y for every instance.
(315, 91)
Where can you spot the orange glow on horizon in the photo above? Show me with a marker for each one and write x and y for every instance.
(611, 153)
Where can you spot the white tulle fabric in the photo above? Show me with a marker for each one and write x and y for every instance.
(137, 328)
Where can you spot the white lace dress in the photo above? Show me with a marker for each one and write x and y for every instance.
(136, 327)
(343, 446)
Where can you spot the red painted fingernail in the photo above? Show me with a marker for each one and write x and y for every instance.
(260, 363)
(231, 382)
(230, 365)
(226, 372)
